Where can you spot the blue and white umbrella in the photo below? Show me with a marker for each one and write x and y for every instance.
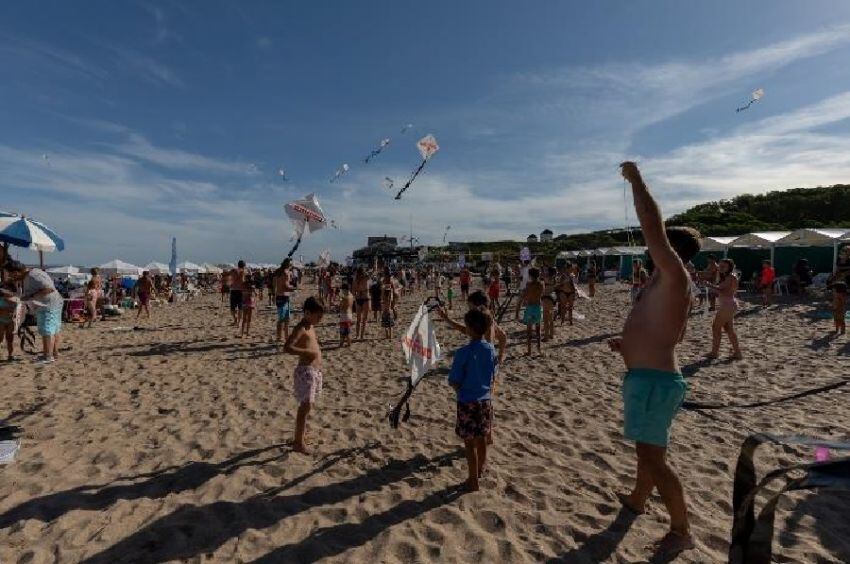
(24, 232)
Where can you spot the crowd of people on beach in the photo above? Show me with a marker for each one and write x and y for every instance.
(663, 294)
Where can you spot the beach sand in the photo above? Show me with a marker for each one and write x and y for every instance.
(172, 443)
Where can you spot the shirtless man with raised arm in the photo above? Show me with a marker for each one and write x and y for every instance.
(653, 388)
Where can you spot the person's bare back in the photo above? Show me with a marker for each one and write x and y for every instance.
(533, 292)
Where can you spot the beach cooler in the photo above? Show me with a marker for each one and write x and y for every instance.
(128, 303)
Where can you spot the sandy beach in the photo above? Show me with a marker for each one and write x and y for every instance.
(172, 443)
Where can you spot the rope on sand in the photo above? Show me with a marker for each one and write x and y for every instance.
(692, 405)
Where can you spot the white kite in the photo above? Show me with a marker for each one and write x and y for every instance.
(46, 158)
(324, 259)
(377, 151)
(306, 216)
(405, 127)
(388, 183)
(446, 233)
(427, 148)
(340, 171)
(754, 97)
(421, 353)
(282, 173)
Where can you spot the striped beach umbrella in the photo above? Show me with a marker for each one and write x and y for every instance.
(24, 232)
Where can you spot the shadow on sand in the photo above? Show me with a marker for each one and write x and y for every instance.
(152, 485)
(193, 530)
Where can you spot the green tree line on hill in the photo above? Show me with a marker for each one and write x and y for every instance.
(778, 210)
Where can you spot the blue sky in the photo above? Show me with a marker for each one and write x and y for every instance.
(172, 118)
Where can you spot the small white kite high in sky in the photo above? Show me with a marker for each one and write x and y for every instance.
(754, 97)
(340, 171)
(427, 148)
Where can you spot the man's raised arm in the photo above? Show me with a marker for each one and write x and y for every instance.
(651, 223)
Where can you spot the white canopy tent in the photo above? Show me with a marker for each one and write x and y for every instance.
(717, 244)
(761, 239)
(119, 267)
(817, 238)
(211, 268)
(157, 268)
(187, 266)
(64, 270)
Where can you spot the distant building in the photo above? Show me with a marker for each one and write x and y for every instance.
(386, 251)
(383, 241)
(532, 238)
(546, 236)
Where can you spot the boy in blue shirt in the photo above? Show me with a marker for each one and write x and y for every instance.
(472, 373)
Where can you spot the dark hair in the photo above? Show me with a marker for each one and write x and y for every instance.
(731, 264)
(240, 264)
(684, 240)
(287, 262)
(534, 273)
(14, 266)
(478, 299)
(344, 286)
(95, 271)
(712, 257)
(839, 287)
(478, 322)
(766, 262)
(314, 305)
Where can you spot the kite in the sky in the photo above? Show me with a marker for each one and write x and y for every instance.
(427, 147)
(446, 233)
(282, 173)
(388, 183)
(377, 151)
(253, 168)
(405, 127)
(421, 353)
(324, 259)
(306, 216)
(46, 158)
(340, 171)
(754, 97)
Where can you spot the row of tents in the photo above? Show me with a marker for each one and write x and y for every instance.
(121, 268)
(820, 246)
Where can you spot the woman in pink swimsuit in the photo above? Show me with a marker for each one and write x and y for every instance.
(727, 306)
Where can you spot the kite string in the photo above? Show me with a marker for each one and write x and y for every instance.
(412, 178)
(628, 229)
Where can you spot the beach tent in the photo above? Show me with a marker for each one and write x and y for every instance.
(828, 237)
(117, 266)
(64, 270)
(717, 244)
(187, 266)
(760, 240)
(156, 267)
(211, 268)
